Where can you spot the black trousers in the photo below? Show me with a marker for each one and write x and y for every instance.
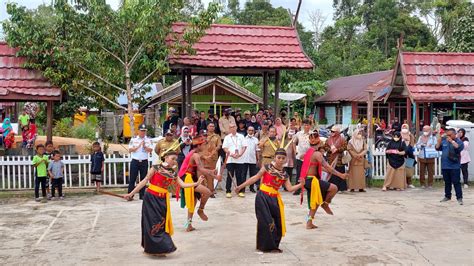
(452, 178)
(465, 174)
(41, 180)
(234, 170)
(299, 164)
(57, 183)
(251, 169)
(135, 168)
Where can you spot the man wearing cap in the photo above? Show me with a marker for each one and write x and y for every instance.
(169, 143)
(268, 146)
(247, 119)
(211, 153)
(234, 146)
(139, 147)
(225, 121)
(301, 145)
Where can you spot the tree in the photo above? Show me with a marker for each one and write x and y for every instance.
(89, 47)
(462, 38)
(317, 20)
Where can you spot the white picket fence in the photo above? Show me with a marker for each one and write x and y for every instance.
(17, 171)
(380, 165)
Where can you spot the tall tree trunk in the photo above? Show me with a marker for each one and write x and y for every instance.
(128, 84)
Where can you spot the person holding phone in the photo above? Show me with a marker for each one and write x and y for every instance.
(395, 176)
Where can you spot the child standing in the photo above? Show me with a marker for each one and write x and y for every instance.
(97, 164)
(49, 152)
(55, 169)
(40, 162)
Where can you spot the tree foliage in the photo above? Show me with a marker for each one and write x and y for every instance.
(87, 46)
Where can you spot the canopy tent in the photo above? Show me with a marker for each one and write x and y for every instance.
(291, 97)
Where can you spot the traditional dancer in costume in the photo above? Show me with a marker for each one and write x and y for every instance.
(190, 169)
(157, 226)
(320, 192)
(269, 207)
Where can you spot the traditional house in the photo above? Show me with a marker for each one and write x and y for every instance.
(346, 98)
(208, 94)
(434, 84)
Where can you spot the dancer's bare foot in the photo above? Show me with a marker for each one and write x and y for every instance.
(326, 208)
(310, 225)
(190, 228)
(201, 214)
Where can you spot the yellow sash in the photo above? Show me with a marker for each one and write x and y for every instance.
(272, 144)
(189, 193)
(271, 190)
(316, 197)
(169, 223)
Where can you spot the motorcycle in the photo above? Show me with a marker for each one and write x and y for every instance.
(382, 138)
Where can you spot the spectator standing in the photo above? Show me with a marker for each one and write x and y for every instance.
(410, 161)
(224, 123)
(97, 165)
(395, 152)
(202, 122)
(301, 144)
(23, 119)
(290, 154)
(234, 147)
(451, 148)
(268, 146)
(357, 148)
(335, 147)
(255, 124)
(465, 158)
(247, 119)
(212, 119)
(396, 126)
(298, 120)
(211, 154)
(426, 146)
(55, 170)
(185, 145)
(40, 162)
(250, 157)
(139, 147)
(280, 128)
(242, 128)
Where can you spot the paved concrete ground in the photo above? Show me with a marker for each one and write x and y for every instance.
(409, 227)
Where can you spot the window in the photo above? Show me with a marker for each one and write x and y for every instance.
(361, 111)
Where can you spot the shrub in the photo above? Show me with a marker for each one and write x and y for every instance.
(84, 131)
(63, 127)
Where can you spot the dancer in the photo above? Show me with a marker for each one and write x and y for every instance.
(320, 192)
(269, 207)
(190, 169)
(157, 227)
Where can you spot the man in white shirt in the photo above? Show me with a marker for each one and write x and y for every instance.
(250, 156)
(234, 146)
(301, 143)
(139, 147)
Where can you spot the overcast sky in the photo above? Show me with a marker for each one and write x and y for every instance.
(324, 5)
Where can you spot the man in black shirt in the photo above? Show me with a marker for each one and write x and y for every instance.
(202, 123)
(396, 126)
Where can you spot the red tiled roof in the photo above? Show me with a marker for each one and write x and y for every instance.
(18, 83)
(353, 88)
(242, 46)
(440, 77)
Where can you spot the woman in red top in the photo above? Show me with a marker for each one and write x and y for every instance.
(268, 204)
(157, 226)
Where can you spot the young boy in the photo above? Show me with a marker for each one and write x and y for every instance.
(40, 162)
(55, 169)
(97, 165)
(49, 152)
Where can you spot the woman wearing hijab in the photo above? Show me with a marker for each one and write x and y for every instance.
(395, 176)
(335, 147)
(7, 133)
(409, 140)
(357, 148)
(280, 128)
(465, 158)
(426, 142)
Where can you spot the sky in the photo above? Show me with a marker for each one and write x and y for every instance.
(324, 5)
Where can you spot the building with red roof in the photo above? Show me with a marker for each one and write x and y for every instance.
(19, 84)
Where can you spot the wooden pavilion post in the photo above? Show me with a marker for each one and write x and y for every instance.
(417, 120)
(370, 126)
(277, 95)
(183, 94)
(265, 90)
(408, 113)
(189, 84)
(49, 120)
